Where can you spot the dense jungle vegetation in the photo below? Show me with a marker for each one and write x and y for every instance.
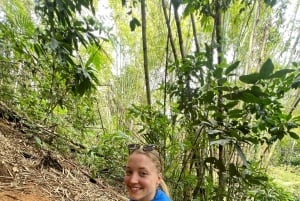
(214, 83)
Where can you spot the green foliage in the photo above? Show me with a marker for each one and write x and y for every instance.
(207, 131)
(269, 192)
(156, 127)
(295, 161)
(266, 72)
(286, 177)
(270, 2)
(38, 142)
(47, 60)
(157, 123)
(134, 23)
(63, 36)
(107, 157)
(287, 153)
(85, 79)
(50, 65)
(211, 109)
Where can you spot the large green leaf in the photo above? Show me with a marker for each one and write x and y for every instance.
(245, 96)
(134, 23)
(232, 67)
(218, 72)
(235, 113)
(231, 104)
(266, 69)
(294, 135)
(208, 96)
(264, 73)
(281, 73)
(250, 79)
(256, 91)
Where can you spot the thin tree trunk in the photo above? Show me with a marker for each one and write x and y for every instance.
(219, 41)
(296, 43)
(218, 27)
(179, 32)
(195, 33)
(170, 35)
(145, 50)
(170, 40)
(294, 48)
(250, 46)
(264, 43)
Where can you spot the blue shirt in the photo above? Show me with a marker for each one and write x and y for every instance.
(160, 196)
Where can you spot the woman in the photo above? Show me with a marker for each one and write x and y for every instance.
(143, 177)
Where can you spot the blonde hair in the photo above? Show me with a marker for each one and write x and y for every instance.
(155, 158)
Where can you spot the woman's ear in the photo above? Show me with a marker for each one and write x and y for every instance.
(159, 177)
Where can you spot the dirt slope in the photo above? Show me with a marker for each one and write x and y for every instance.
(31, 174)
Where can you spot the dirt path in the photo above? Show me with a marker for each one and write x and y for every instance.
(31, 174)
(22, 196)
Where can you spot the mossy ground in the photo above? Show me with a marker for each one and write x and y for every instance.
(287, 177)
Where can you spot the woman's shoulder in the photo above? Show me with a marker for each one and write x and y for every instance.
(161, 196)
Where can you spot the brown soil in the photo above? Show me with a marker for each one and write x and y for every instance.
(28, 173)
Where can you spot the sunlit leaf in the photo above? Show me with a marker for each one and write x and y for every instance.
(214, 131)
(38, 142)
(241, 154)
(53, 44)
(221, 142)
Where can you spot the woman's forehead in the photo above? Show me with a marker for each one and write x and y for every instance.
(141, 162)
(140, 159)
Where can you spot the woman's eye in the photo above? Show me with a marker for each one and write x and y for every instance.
(143, 174)
(128, 172)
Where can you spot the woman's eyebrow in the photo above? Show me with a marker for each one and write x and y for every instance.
(143, 168)
(140, 168)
